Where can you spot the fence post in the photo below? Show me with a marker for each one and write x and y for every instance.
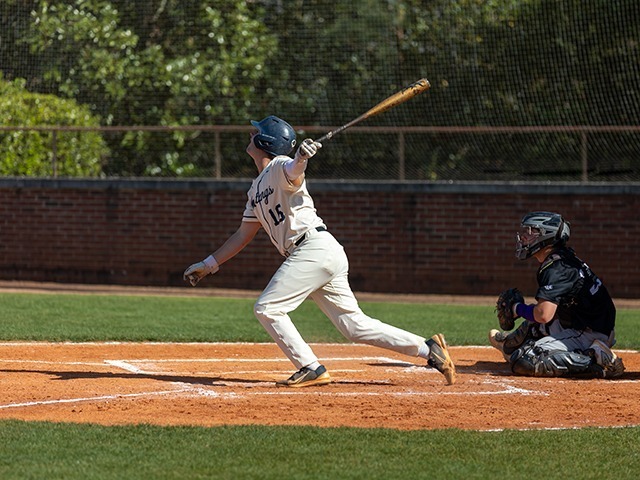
(401, 150)
(218, 155)
(583, 157)
(54, 152)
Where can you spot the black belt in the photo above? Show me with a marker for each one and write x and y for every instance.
(301, 239)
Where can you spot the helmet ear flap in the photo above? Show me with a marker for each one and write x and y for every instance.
(559, 231)
(564, 232)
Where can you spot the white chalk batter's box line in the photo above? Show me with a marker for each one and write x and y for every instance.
(151, 367)
(130, 364)
(191, 391)
(146, 366)
(187, 390)
(505, 386)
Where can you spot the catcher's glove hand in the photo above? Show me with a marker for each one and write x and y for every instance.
(504, 307)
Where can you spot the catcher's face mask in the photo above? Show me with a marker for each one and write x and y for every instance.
(526, 239)
(539, 229)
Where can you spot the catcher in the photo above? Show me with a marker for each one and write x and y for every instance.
(569, 331)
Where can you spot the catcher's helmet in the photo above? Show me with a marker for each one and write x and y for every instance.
(275, 136)
(539, 229)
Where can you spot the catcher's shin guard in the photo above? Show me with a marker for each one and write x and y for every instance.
(507, 343)
(532, 361)
(518, 337)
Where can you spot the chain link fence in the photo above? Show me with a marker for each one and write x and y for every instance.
(583, 154)
(538, 90)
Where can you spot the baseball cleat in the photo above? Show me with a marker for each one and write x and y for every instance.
(440, 359)
(305, 377)
(615, 369)
(496, 339)
(611, 364)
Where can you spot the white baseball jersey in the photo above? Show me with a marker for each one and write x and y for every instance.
(317, 267)
(285, 211)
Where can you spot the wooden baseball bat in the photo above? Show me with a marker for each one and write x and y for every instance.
(396, 99)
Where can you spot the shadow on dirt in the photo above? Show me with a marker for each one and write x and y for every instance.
(192, 380)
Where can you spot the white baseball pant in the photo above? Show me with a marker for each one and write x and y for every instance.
(318, 268)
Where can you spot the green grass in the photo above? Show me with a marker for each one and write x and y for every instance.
(70, 451)
(187, 319)
(42, 450)
(126, 318)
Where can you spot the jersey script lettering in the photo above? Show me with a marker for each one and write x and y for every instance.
(263, 195)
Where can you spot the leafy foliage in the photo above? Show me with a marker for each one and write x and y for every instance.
(31, 152)
(323, 62)
(154, 63)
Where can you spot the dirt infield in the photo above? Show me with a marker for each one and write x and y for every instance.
(224, 384)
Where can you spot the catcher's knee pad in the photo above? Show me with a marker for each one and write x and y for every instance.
(523, 360)
(535, 362)
(516, 339)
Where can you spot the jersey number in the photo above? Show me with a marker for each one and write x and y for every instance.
(278, 216)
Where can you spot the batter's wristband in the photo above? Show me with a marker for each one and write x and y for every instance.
(525, 311)
(211, 264)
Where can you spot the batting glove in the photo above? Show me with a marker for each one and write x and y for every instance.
(308, 148)
(198, 271)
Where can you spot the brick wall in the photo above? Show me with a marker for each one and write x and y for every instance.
(400, 237)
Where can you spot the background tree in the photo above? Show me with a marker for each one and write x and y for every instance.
(321, 63)
(31, 153)
(163, 62)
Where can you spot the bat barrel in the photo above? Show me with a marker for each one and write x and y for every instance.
(397, 98)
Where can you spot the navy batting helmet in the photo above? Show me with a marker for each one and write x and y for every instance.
(275, 136)
(539, 229)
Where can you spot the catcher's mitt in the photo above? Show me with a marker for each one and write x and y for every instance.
(504, 307)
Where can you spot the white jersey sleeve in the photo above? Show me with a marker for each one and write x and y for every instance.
(285, 211)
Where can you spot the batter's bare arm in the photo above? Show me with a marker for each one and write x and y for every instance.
(234, 244)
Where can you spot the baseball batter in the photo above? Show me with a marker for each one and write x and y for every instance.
(315, 264)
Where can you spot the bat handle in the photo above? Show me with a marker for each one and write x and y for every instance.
(328, 136)
(324, 137)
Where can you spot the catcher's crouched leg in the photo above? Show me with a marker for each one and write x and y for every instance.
(496, 339)
(508, 343)
(533, 361)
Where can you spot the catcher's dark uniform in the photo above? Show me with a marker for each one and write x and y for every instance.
(585, 314)
(583, 301)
